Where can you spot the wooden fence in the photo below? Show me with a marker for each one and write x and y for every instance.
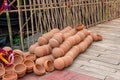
(39, 16)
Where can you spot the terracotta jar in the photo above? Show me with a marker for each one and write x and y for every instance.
(10, 76)
(39, 69)
(20, 69)
(9, 69)
(58, 37)
(7, 48)
(96, 37)
(40, 51)
(18, 59)
(42, 41)
(29, 65)
(68, 28)
(79, 27)
(49, 66)
(59, 63)
(58, 52)
(68, 60)
(2, 72)
(30, 57)
(54, 43)
(32, 48)
(18, 52)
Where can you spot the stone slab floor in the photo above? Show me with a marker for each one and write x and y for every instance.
(101, 61)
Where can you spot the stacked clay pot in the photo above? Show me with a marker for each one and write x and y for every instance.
(67, 60)
(68, 28)
(44, 39)
(32, 47)
(42, 50)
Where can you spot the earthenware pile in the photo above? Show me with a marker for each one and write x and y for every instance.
(56, 49)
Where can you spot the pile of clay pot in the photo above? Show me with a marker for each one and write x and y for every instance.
(56, 49)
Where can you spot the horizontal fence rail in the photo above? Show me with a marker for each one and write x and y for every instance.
(37, 17)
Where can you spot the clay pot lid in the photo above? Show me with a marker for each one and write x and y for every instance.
(2, 72)
(19, 68)
(29, 63)
(18, 59)
(59, 63)
(79, 27)
(49, 65)
(10, 76)
(7, 48)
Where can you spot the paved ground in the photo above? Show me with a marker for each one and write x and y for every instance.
(100, 62)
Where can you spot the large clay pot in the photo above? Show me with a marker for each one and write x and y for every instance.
(42, 41)
(39, 69)
(10, 76)
(2, 72)
(49, 66)
(18, 59)
(68, 60)
(20, 69)
(30, 57)
(7, 48)
(32, 48)
(54, 43)
(58, 52)
(29, 65)
(79, 27)
(68, 28)
(59, 63)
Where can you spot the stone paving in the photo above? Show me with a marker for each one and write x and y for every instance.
(100, 62)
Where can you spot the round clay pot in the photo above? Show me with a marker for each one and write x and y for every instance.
(9, 69)
(57, 52)
(10, 76)
(40, 51)
(18, 59)
(2, 72)
(54, 43)
(68, 60)
(7, 48)
(49, 66)
(20, 69)
(42, 41)
(29, 65)
(58, 37)
(68, 28)
(18, 52)
(30, 57)
(32, 48)
(59, 63)
(96, 37)
(39, 69)
(82, 35)
(79, 27)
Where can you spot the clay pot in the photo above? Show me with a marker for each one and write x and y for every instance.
(96, 37)
(39, 69)
(48, 48)
(26, 53)
(42, 41)
(55, 30)
(85, 31)
(82, 35)
(49, 66)
(68, 28)
(59, 63)
(30, 57)
(65, 47)
(40, 51)
(77, 39)
(18, 52)
(29, 65)
(79, 27)
(71, 40)
(32, 48)
(89, 39)
(7, 48)
(57, 52)
(20, 69)
(66, 35)
(83, 46)
(47, 36)
(10, 76)
(2, 72)
(18, 59)
(68, 60)
(54, 43)
(58, 37)
(9, 69)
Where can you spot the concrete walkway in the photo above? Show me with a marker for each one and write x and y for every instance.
(100, 62)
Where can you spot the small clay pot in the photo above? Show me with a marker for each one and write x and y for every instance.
(20, 69)
(32, 48)
(65, 47)
(58, 52)
(79, 27)
(2, 72)
(58, 37)
(83, 46)
(30, 57)
(59, 63)
(54, 43)
(85, 31)
(49, 66)
(48, 49)
(7, 48)
(29, 65)
(68, 28)
(77, 39)
(26, 53)
(89, 39)
(40, 51)
(9, 69)
(66, 35)
(96, 37)
(39, 69)
(71, 40)
(55, 30)
(42, 41)
(18, 52)
(82, 35)
(68, 60)
(18, 59)
(10, 76)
